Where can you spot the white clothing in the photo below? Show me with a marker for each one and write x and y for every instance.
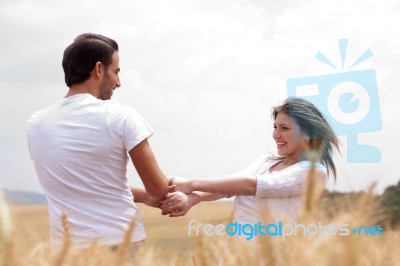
(80, 147)
(277, 192)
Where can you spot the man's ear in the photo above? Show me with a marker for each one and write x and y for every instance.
(98, 70)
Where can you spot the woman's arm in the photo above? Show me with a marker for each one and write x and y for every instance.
(178, 203)
(287, 184)
(244, 179)
(226, 185)
(278, 184)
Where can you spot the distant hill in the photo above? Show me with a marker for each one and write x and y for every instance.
(17, 197)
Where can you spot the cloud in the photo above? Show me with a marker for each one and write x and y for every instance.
(203, 73)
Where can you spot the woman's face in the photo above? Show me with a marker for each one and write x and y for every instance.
(288, 137)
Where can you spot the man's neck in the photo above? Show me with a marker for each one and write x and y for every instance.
(82, 88)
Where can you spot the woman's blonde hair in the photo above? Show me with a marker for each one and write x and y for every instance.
(320, 135)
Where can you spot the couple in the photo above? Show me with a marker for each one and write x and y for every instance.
(81, 145)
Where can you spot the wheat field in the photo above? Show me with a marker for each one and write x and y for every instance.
(168, 243)
(166, 237)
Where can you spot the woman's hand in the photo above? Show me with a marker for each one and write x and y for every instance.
(182, 184)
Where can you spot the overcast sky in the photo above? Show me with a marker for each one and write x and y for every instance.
(204, 74)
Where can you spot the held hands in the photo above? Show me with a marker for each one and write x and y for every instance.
(176, 203)
(149, 200)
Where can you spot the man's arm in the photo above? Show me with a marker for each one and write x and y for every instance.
(140, 195)
(154, 181)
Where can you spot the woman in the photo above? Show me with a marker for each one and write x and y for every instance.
(269, 183)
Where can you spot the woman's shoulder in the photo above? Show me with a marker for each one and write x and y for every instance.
(309, 164)
(267, 159)
(271, 159)
(254, 166)
(319, 168)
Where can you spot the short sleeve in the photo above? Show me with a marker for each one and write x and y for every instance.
(286, 183)
(129, 126)
(136, 129)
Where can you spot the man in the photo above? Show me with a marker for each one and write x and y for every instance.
(80, 148)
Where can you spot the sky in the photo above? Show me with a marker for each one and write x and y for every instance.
(204, 74)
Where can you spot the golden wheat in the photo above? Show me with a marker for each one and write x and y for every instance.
(169, 233)
(6, 255)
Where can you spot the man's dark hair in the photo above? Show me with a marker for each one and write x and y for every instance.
(83, 54)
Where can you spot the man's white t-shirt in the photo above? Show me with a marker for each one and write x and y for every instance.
(80, 147)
